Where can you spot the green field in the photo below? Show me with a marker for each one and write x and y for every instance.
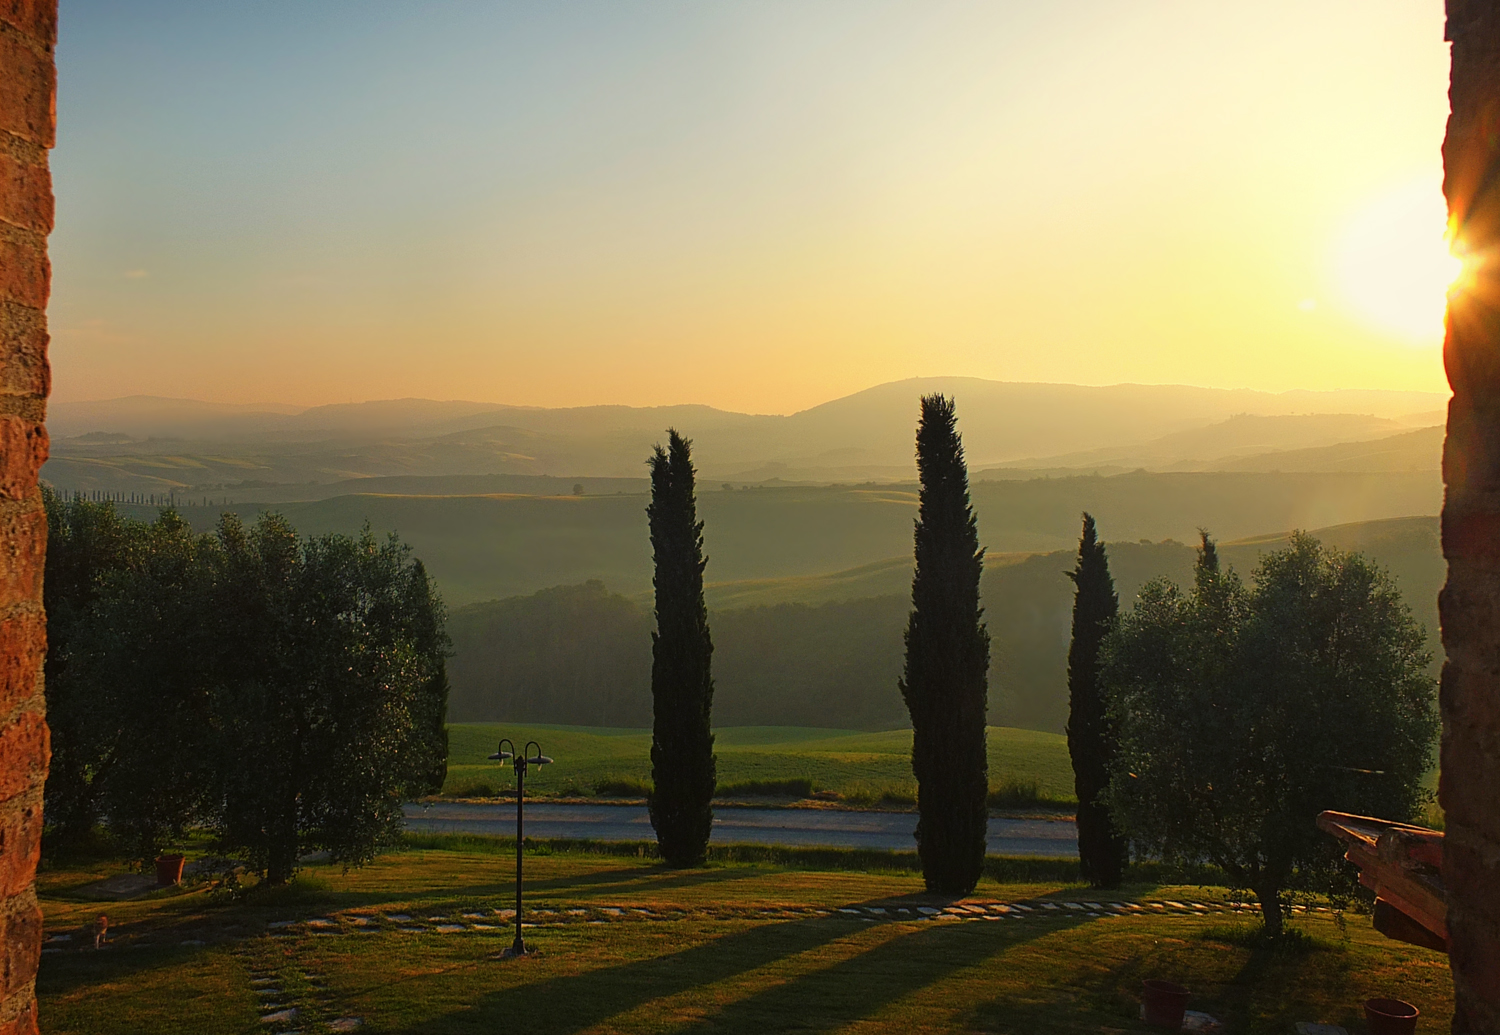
(411, 943)
(846, 761)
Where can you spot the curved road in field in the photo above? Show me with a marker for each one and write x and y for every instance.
(828, 827)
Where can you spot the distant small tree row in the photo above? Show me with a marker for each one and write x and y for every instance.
(289, 694)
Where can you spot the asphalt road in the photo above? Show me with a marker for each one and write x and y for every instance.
(829, 827)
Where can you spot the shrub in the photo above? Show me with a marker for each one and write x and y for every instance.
(797, 787)
(622, 787)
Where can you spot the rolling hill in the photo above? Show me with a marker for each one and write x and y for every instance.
(270, 453)
(482, 547)
(788, 652)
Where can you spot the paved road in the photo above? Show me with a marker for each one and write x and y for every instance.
(887, 830)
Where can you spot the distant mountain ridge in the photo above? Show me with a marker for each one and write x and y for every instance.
(145, 444)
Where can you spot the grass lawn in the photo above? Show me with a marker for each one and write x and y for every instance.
(850, 762)
(410, 944)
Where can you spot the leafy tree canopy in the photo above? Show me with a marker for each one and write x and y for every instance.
(289, 693)
(1244, 711)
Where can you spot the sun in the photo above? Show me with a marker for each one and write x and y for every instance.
(1393, 263)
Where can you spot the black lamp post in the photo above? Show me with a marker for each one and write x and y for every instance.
(520, 760)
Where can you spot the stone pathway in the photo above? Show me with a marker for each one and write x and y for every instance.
(283, 1012)
(501, 921)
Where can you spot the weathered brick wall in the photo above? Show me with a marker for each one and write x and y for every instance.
(28, 30)
(1470, 602)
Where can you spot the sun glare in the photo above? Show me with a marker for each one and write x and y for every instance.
(1394, 266)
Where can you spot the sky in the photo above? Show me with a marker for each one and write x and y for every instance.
(755, 204)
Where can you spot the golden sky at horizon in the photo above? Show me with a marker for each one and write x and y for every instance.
(755, 206)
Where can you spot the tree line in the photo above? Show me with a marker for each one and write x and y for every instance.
(288, 694)
(944, 680)
(1213, 723)
(1207, 725)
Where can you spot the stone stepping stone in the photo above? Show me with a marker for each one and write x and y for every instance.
(927, 910)
(486, 927)
(843, 909)
(345, 1023)
(1093, 905)
(280, 1016)
(476, 916)
(270, 992)
(450, 928)
(1175, 905)
(412, 930)
(1072, 905)
(399, 918)
(254, 982)
(279, 925)
(577, 912)
(322, 922)
(612, 911)
(875, 909)
(1050, 905)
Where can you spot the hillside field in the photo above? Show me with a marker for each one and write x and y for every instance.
(827, 650)
(847, 761)
(486, 547)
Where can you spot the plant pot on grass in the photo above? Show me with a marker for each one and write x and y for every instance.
(1390, 1017)
(169, 869)
(1163, 1004)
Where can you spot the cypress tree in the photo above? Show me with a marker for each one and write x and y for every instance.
(1101, 850)
(947, 662)
(683, 767)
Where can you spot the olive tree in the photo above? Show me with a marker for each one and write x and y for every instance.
(1242, 711)
(330, 694)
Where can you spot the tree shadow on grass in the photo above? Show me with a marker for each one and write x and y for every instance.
(823, 1000)
(61, 974)
(856, 988)
(632, 886)
(1260, 994)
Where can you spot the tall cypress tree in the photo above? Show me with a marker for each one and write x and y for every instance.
(1101, 850)
(947, 662)
(683, 767)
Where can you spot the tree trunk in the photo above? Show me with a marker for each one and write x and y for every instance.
(1270, 910)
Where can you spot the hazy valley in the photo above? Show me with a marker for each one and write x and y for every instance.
(535, 528)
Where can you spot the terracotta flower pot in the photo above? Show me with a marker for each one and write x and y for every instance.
(1390, 1017)
(169, 869)
(1163, 1004)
